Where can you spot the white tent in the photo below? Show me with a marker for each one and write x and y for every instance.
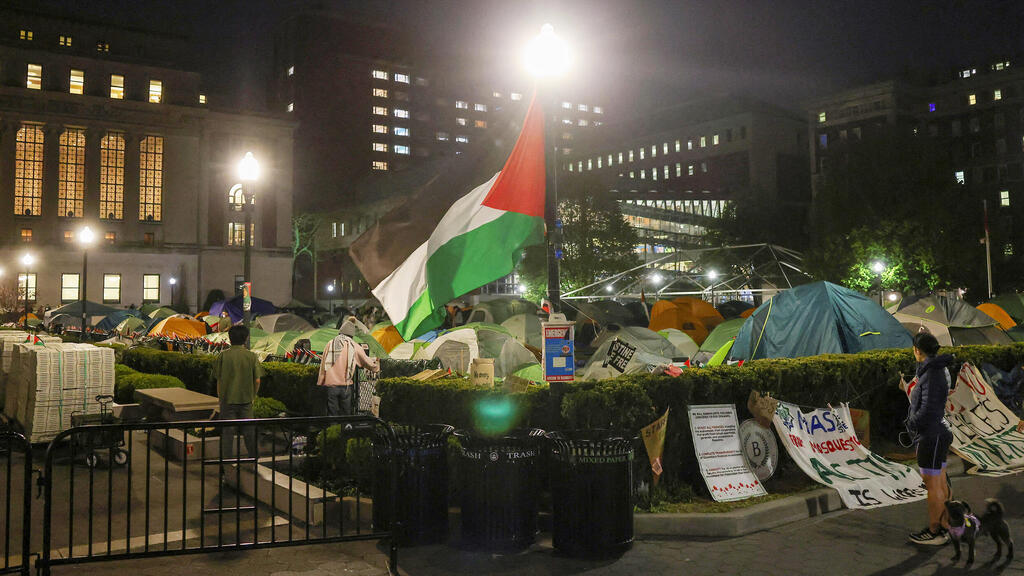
(651, 349)
(525, 328)
(283, 323)
(685, 346)
(458, 347)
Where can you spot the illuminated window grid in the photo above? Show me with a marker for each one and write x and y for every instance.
(236, 234)
(151, 178)
(34, 77)
(27, 283)
(117, 87)
(112, 176)
(71, 183)
(68, 288)
(28, 171)
(111, 288)
(150, 287)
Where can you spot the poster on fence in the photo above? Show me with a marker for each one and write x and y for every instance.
(986, 433)
(825, 446)
(716, 441)
(654, 440)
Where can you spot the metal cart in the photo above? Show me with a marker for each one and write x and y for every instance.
(94, 442)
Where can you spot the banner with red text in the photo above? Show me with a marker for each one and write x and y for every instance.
(825, 446)
(716, 440)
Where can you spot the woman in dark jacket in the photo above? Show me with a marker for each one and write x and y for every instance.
(926, 420)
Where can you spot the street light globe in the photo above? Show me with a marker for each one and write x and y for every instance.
(893, 297)
(173, 281)
(330, 288)
(249, 168)
(521, 288)
(713, 274)
(86, 236)
(609, 288)
(656, 278)
(877, 267)
(27, 259)
(547, 55)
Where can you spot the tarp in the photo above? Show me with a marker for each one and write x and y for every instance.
(952, 322)
(457, 347)
(817, 318)
(685, 346)
(499, 310)
(998, 314)
(525, 328)
(283, 323)
(1012, 304)
(75, 309)
(668, 314)
(110, 321)
(233, 307)
(733, 308)
(723, 334)
(65, 320)
(180, 327)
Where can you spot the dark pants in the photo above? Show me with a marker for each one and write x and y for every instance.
(339, 400)
(228, 433)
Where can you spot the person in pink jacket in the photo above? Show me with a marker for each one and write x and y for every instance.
(342, 356)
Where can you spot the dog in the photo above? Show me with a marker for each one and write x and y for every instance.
(964, 526)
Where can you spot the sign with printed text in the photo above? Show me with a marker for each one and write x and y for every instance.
(654, 441)
(825, 446)
(986, 433)
(559, 351)
(716, 441)
(619, 355)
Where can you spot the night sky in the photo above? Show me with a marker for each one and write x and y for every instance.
(629, 54)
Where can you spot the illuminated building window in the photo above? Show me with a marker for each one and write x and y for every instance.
(151, 178)
(664, 148)
(496, 94)
(400, 131)
(442, 136)
(69, 284)
(572, 167)
(654, 173)
(117, 86)
(27, 287)
(822, 118)
(630, 155)
(480, 124)
(28, 171)
(599, 162)
(1004, 197)
(380, 129)
(959, 175)
(76, 84)
(400, 149)
(380, 92)
(972, 99)
(654, 151)
(102, 46)
(1008, 249)
(567, 105)
(400, 113)
(460, 121)
(598, 110)
(236, 234)
(620, 157)
(379, 165)
(25, 35)
(462, 139)
(156, 91)
(678, 147)
(643, 174)
(291, 70)
(111, 288)
(583, 122)
(632, 174)
(968, 72)
(290, 107)
(609, 159)
(202, 98)
(689, 169)
(515, 96)
(461, 105)
(380, 74)
(64, 41)
(71, 181)
(689, 144)
(567, 121)
(112, 176)
(380, 110)
(643, 153)
(69, 236)
(110, 237)
(26, 235)
(679, 169)
(997, 95)
(665, 172)
(403, 78)
(34, 77)
(704, 167)
(380, 147)
(480, 107)
(703, 142)
(582, 107)
(150, 287)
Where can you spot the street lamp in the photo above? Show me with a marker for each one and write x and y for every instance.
(248, 172)
(330, 290)
(27, 261)
(712, 275)
(173, 281)
(85, 238)
(545, 57)
(878, 267)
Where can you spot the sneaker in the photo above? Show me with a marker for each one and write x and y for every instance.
(928, 538)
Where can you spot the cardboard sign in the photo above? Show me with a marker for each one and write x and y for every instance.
(759, 448)
(559, 350)
(716, 442)
(515, 384)
(481, 372)
(619, 355)
(823, 443)
(654, 440)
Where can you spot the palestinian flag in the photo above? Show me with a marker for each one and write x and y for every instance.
(464, 228)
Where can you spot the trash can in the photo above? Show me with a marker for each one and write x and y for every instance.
(499, 485)
(591, 492)
(422, 507)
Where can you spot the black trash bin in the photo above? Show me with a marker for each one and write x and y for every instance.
(422, 509)
(591, 492)
(499, 484)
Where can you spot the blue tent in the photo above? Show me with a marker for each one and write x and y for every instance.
(110, 321)
(234, 310)
(818, 318)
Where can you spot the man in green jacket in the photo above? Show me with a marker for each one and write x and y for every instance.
(238, 373)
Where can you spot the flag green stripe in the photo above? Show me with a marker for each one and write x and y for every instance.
(467, 262)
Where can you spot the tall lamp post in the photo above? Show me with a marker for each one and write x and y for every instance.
(547, 57)
(330, 291)
(27, 260)
(878, 267)
(173, 281)
(248, 172)
(85, 238)
(712, 276)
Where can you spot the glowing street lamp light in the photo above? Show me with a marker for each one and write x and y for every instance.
(330, 290)
(656, 278)
(27, 260)
(610, 288)
(85, 237)
(547, 55)
(248, 173)
(712, 275)
(878, 267)
(173, 281)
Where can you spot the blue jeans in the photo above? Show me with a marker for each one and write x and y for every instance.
(339, 400)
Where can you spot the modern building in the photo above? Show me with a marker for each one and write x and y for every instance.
(102, 127)
(677, 168)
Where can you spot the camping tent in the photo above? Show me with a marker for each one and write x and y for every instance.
(998, 314)
(233, 308)
(701, 310)
(501, 309)
(733, 308)
(1012, 304)
(110, 321)
(217, 323)
(283, 322)
(147, 309)
(130, 326)
(161, 313)
(651, 348)
(406, 350)
(275, 344)
(669, 314)
(66, 321)
(603, 313)
(722, 336)
(457, 347)
(182, 327)
(386, 335)
(525, 328)
(319, 338)
(620, 313)
(75, 309)
(952, 322)
(685, 346)
(817, 318)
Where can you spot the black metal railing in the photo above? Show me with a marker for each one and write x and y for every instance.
(16, 497)
(120, 491)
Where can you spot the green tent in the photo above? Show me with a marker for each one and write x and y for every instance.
(1013, 304)
(722, 335)
(130, 326)
(1016, 333)
(456, 348)
(161, 312)
(319, 338)
(217, 323)
(147, 309)
(275, 343)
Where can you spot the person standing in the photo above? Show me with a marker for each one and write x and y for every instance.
(337, 370)
(238, 373)
(926, 420)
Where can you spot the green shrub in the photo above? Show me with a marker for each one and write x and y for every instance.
(263, 407)
(126, 385)
(122, 370)
(192, 369)
(292, 384)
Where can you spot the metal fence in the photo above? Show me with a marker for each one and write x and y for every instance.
(16, 497)
(122, 491)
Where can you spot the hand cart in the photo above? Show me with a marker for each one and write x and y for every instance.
(94, 442)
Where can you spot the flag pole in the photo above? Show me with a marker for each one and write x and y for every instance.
(554, 230)
(988, 250)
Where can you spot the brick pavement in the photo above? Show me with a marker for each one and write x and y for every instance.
(867, 543)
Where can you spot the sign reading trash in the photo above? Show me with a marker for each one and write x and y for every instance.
(825, 446)
(559, 352)
(716, 442)
(619, 355)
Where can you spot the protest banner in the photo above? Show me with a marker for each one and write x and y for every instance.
(825, 446)
(716, 442)
(654, 440)
(619, 355)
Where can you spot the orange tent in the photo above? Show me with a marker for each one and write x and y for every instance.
(702, 310)
(668, 314)
(31, 316)
(746, 313)
(997, 314)
(181, 327)
(387, 336)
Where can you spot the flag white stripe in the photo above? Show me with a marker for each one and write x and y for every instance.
(400, 290)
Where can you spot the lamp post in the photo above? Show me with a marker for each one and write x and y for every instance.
(85, 238)
(878, 267)
(546, 57)
(173, 281)
(712, 276)
(27, 261)
(248, 172)
(330, 290)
